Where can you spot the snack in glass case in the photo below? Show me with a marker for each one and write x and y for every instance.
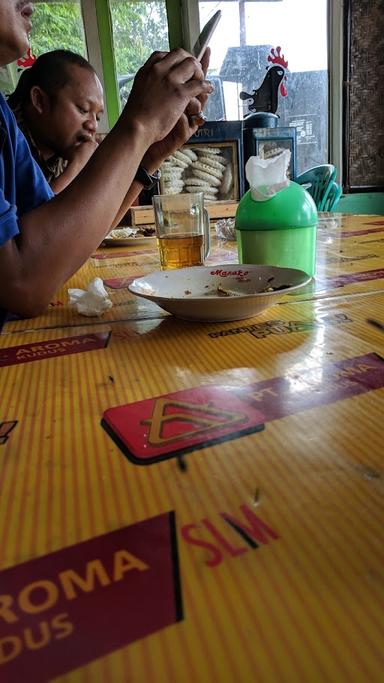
(207, 169)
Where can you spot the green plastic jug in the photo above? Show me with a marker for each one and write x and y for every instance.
(280, 231)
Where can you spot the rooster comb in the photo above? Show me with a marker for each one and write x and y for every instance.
(275, 57)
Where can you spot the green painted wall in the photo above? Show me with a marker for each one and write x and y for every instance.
(362, 202)
(174, 16)
(104, 26)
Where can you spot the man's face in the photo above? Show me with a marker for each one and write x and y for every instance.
(73, 115)
(15, 26)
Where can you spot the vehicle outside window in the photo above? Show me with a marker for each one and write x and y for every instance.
(243, 50)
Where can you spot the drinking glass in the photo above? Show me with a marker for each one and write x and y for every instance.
(182, 229)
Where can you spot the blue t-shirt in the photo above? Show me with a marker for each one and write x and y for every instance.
(22, 184)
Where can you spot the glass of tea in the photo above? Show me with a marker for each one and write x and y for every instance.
(182, 229)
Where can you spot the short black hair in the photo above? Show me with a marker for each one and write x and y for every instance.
(50, 72)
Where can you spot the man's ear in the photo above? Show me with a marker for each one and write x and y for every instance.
(39, 99)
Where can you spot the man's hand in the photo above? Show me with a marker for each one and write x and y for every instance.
(77, 158)
(78, 155)
(161, 92)
(184, 128)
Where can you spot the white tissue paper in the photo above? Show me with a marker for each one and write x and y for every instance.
(266, 177)
(90, 302)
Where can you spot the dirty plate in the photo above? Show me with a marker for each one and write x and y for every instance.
(128, 236)
(218, 293)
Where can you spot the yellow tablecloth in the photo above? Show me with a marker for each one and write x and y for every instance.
(197, 502)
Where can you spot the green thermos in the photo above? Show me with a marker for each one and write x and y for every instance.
(279, 231)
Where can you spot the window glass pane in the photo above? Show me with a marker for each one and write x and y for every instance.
(139, 28)
(240, 49)
(57, 25)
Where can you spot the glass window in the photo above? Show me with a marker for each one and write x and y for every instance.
(58, 25)
(138, 29)
(244, 49)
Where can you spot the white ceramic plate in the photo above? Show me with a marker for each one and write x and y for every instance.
(218, 293)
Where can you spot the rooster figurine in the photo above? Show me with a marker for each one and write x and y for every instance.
(27, 61)
(266, 97)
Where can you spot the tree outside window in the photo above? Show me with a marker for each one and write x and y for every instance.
(138, 29)
(58, 25)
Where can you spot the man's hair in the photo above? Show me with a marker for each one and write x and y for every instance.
(50, 72)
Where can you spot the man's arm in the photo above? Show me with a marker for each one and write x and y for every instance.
(78, 159)
(57, 237)
(156, 154)
(160, 150)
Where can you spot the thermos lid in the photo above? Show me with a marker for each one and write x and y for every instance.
(292, 207)
(261, 119)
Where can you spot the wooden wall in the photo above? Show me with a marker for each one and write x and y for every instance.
(364, 95)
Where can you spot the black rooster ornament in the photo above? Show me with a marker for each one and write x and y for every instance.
(266, 97)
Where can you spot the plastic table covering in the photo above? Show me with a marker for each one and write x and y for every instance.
(197, 502)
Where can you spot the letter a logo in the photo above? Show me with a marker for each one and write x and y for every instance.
(191, 417)
(163, 426)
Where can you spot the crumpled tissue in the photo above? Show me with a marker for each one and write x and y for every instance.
(266, 177)
(90, 302)
(225, 229)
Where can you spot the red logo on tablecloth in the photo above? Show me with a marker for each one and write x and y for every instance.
(164, 426)
(60, 611)
(351, 278)
(26, 353)
(281, 396)
(178, 423)
(367, 231)
(119, 282)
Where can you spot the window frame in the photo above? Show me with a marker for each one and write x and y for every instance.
(336, 42)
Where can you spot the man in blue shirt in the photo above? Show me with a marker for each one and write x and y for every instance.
(17, 173)
(42, 243)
